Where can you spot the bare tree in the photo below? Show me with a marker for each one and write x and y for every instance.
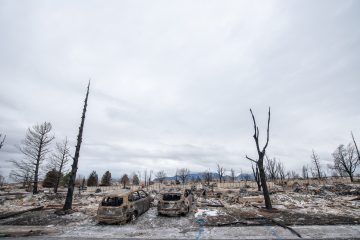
(260, 161)
(305, 172)
(280, 170)
(356, 147)
(2, 180)
(160, 175)
(35, 147)
(150, 177)
(145, 177)
(177, 176)
(70, 192)
(135, 179)
(317, 172)
(207, 176)
(294, 175)
(271, 168)
(256, 176)
(139, 175)
(2, 140)
(345, 160)
(232, 175)
(59, 160)
(220, 172)
(21, 173)
(184, 174)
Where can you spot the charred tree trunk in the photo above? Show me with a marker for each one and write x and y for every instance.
(70, 192)
(36, 173)
(356, 147)
(264, 185)
(2, 141)
(256, 176)
(260, 161)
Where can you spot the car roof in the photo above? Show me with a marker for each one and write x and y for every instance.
(124, 194)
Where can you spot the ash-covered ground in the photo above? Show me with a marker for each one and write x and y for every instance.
(221, 213)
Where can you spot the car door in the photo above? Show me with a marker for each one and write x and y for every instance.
(146, 200)
(134, 198)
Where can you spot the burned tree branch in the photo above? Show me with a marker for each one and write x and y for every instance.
(251, 159)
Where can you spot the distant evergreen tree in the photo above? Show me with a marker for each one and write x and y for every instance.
(106, 179)
(93, 179)
(135, 180)
(124, 180)
(64, 180)
(50, 179)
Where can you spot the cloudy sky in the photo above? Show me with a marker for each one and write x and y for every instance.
(172, 81)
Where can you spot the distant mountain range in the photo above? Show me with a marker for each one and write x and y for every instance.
(215, 176)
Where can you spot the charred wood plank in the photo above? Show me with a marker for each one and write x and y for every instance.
(12, 214)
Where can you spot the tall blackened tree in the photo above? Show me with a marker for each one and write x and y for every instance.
(106, 179)
(70, 192)
(35, 147)
(356, 147)
(59, 160)
(260, 161)
(2, 140)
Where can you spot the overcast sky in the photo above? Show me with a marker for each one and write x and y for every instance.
(172, 81)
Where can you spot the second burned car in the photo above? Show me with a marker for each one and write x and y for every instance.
(175, 202)
(121, 208)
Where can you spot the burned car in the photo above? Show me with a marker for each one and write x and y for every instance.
(122, 208)
(175, 202)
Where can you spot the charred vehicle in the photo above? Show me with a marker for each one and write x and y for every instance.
(175, 202)
(115, 209)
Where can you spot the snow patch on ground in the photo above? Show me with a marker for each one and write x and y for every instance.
(206, 212)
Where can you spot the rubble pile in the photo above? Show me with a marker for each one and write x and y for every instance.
(294, 204)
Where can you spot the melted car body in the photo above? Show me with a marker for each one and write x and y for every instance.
(175, 202)
(122, 208)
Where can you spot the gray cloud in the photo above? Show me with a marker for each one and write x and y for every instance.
(172, 82)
